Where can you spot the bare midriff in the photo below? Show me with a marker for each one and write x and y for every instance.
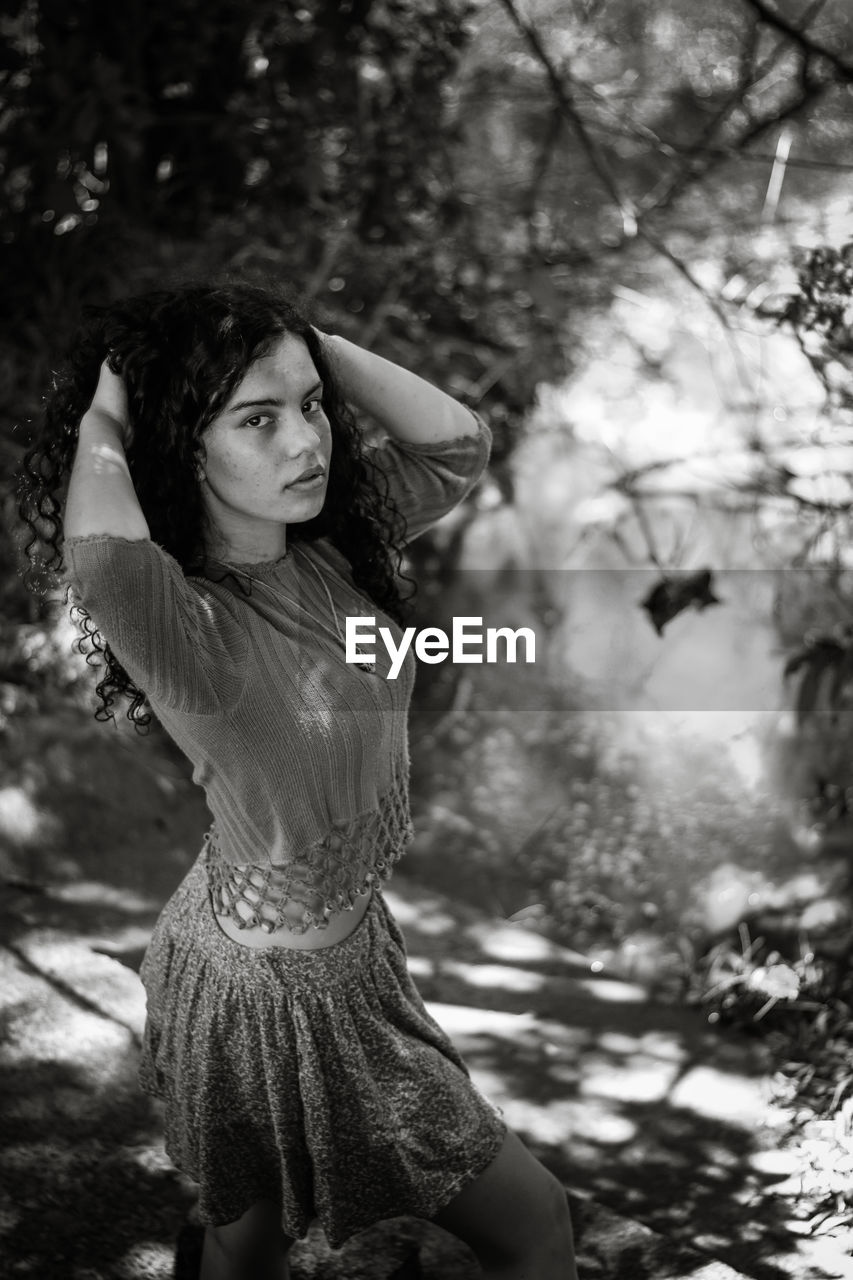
(338, 927)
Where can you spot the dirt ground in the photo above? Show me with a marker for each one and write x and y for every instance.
(664, 1131)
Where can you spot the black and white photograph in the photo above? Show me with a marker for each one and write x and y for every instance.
(426, 640)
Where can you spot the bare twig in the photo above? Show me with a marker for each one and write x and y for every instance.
(798, 36)
(810, 85)
(735, 152)
(643, 521)
(559, 82)
(540, 170)
(749, 81)
(631, 225)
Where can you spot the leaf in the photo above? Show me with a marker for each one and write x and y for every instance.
(672, 595)
(842, 677)
(824, 655)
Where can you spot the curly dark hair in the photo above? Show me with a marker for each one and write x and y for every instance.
(181, 353)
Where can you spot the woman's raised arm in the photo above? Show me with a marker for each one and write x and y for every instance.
(404, 404)
(101, 496)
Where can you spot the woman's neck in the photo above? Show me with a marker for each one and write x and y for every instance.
(247, 546)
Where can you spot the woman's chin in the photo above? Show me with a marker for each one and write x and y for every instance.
(304, 506)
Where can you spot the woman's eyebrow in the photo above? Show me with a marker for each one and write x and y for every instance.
(274, 402)
(261, 402)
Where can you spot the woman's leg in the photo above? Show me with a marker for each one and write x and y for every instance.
(515, 1217)
(252, 1248)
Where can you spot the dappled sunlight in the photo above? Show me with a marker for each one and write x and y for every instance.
(510, 943)
(90, 1043)
(679, 1115)
(67, 1161)
(614, 991)
(596, 804)
(426, 916)
(692, 719)
(22, 823)
(707, 1091)
(539, 1122)
(420, 967)
(650, 1044)
(146, 1259)
(100, 999)
(659, 380)
(747, 754)
(504, 977)
(642, 1082)
(78, 1133)
(776, 1164)
(96, 893)
(467, 1022)
(597, 1122)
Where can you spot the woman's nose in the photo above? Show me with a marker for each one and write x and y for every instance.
(300, 436)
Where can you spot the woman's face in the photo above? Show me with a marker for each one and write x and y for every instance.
(266, 455)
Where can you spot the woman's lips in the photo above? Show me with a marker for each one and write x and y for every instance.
(309, 482)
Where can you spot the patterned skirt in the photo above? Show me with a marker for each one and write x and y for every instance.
(315, 1079)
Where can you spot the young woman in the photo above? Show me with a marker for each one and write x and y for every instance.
(223, 518)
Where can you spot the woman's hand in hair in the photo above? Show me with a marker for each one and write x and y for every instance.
(109, 403)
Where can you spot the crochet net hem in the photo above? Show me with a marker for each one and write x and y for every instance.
(327, 878)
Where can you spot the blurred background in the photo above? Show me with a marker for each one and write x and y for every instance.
(621, 231)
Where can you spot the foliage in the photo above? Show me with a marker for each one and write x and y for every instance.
(305, 141)
(803, 1006)
(821, 314)
(136, 137)
(557, 818)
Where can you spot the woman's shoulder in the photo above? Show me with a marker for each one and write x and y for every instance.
(177, 636)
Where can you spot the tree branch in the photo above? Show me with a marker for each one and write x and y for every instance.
(751, 77)
(564, 99)
(809, 46)
(631, 225)
(810, 85)
(540, 170)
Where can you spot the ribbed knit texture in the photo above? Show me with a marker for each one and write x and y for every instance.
(302, 756)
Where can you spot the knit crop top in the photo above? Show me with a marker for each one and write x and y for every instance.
(303, 757)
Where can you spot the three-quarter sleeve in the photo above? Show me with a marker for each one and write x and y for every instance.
(427, 480)
(179, 642)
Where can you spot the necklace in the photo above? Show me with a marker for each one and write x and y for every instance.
(370, 667)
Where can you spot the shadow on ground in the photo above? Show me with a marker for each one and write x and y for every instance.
(639, 1105)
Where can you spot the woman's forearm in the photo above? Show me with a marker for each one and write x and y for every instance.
(404, 404)
(101, 496)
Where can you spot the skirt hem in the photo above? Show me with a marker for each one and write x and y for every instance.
(338, 1238)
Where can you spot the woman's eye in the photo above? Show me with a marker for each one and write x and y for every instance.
(314, 405)
(257, 420)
